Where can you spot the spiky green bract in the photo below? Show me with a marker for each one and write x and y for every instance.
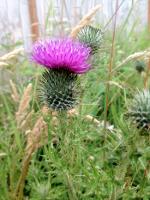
(92, 37)
(140, 66)
(140, 109)
(58, 89)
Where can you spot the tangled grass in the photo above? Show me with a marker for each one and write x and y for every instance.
(79, 155)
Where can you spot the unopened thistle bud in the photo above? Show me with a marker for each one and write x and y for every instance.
(92, 37)
(59, 89)
(140, 66)
(140, 109)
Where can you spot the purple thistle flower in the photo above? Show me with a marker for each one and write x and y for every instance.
(62, 54)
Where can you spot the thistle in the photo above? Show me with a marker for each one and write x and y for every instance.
(58, 89)
(64, 60)
(140, 109)
(92, 37)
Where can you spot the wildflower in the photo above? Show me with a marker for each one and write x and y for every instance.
(62, 54)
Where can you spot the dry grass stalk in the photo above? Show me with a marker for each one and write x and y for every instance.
(3, 64)
(25, 166)
(142, 55)
(89, 118)
(145, 55)
(24, 104)
(72, 112)
(45, 110)
(34, 138)
(146, 78)
(11, 54)
(14, 95)
(25, 123)
(33, 142)
(84, 21)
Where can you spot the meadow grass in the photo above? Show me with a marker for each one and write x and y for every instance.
(79, 159)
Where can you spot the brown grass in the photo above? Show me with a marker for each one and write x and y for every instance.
(142, 55)
(24, 104)
(33, 142)
(84, 21)
(14, 95)
(11, 54)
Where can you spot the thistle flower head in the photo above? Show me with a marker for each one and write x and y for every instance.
(140, 109)
(62, 54)
(92, 37)
(58, 89)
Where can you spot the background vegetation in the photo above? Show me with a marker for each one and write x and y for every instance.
(96, 152)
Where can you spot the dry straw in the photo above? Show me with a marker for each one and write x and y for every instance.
(33, 142)
(143, 55)
(89, 118)
(5, 58)
(2, 64)
(24, 104)
(84, 21)
(14, 95)
(25, 123)
(35, 136)
(11, 54)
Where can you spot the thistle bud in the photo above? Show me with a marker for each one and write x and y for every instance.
(140, 109)
(92, 37)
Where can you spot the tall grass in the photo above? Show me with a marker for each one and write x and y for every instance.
(74, 157)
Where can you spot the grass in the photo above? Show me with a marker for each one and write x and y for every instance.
(80, 160)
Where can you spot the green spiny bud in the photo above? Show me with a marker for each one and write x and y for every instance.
(58, 89)
(140, 109)
(91, 36)
(140, 66)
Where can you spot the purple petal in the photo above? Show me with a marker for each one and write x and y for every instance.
(62, 53)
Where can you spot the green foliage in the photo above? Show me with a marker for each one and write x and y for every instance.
(80, 159)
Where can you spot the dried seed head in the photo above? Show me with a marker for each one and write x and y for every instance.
(85, 20)
(14, 95)
(24, 104)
